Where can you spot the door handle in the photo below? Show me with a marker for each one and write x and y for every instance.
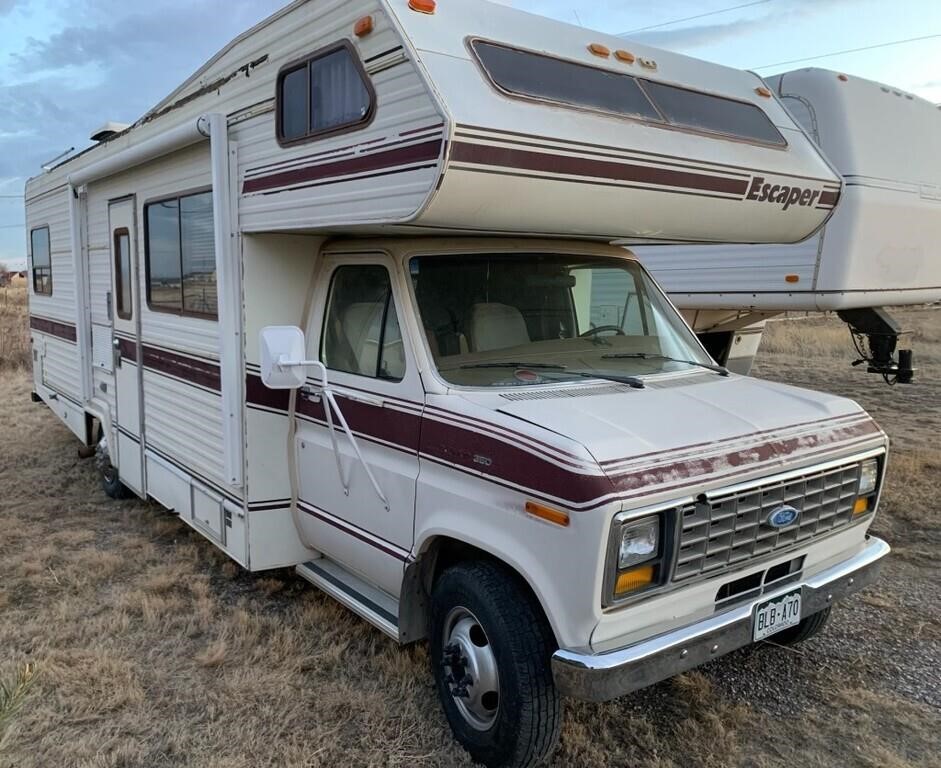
(116, 345)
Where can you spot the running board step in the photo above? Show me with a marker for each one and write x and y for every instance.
(374, 605)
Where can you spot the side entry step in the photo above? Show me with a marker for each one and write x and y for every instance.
(374, 605)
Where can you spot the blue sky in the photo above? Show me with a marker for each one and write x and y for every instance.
(66, 66)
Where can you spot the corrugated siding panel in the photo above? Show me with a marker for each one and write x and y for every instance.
(60, 367)
(186, 423)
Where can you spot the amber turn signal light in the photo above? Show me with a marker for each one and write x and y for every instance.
(861, 505)
(634, 579)
(363, 27)
(556, 516)
(422, 6)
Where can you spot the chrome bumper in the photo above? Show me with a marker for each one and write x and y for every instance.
(603, 676)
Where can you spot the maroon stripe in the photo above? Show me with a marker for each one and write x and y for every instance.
(415, 153)
(491, 458)
(693, 468)
(829, 198)
(506, 157)
(128, 349)
(52, 327)
(200, 372)
(420, 130)
(314, 512)
(832, 421)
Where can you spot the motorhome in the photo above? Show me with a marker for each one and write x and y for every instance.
(342, 301)
(879, 249)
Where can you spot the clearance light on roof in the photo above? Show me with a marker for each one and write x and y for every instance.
(626, 56)
(792, 278)
(844, 78)
(547, 513)
(600, 50)
(762, 91)
(363, 26)
(422, 6)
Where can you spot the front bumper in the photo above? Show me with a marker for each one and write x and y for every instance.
(603, 676)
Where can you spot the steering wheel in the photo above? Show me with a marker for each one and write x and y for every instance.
(601, 329)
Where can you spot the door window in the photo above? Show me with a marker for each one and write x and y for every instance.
(361, 332)
(122, 274)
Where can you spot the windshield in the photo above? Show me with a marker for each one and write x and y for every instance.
(497, 320)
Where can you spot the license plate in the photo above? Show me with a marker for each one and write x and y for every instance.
(774, 615)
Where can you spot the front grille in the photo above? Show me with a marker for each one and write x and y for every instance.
(725, 530)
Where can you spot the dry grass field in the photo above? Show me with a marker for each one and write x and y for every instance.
(126, 639)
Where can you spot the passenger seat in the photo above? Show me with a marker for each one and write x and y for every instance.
(494, 326)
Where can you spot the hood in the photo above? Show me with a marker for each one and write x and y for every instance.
(694, 427)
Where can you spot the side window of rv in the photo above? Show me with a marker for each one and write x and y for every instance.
(326, 93)
(180, 256)
(361, 332)
(122, 274)
(42, 261)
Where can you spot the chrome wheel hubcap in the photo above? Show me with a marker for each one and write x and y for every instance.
(470, 669)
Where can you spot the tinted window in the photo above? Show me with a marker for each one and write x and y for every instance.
(122, 274)
(326, 93)
(545, 77)
(42, 261)
(361, 329)
(705, 112)
(180, 255)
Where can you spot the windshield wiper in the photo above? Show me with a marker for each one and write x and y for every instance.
(631, 381)
(549, 366)
(721, 370)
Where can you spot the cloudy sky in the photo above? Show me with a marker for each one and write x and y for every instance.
(66, 66)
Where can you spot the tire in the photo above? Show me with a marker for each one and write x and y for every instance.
(485, 622)
(803, 631)
(112, 485)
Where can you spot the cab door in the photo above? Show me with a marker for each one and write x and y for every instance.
(125, 309)
(359, 506)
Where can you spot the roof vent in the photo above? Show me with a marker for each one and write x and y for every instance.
(108, 131)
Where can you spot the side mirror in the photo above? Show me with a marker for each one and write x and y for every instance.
(283, 353)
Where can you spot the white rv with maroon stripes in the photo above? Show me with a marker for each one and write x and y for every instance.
(346, 301)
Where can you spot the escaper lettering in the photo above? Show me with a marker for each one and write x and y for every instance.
(780, 194)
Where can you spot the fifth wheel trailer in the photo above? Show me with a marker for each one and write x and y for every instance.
(341, 301)
(878, 250)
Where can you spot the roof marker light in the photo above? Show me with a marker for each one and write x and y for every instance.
(363, 26)
(626, 56)
(792, 278)
(844, 78)
(422, 6)
(762, 91)
(600, 50)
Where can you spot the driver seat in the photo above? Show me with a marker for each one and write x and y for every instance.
(495, 326)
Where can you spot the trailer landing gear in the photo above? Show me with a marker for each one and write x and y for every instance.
(875, 335)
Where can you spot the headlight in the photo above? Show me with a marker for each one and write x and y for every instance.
(868, 477)
(640, 542)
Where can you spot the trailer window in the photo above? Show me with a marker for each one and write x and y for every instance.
(361, 332)
(122, 274)
(534, 75)
(524, 73)
(324, 94)
(705, 112)
(180, 256)
(42, 261)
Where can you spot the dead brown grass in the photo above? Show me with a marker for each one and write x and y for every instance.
(14, 326)
(152, 649)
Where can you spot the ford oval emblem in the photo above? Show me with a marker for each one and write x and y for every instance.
(783, 516)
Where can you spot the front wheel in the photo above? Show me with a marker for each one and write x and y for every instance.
(490, 651)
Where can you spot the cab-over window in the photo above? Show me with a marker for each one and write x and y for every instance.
(326, 93)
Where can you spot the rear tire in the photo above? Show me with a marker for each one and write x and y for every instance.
(803, 631)
(112, 485)
(490, 654)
